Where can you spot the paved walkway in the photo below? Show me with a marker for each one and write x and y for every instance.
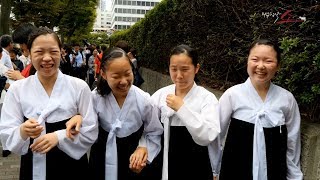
(9, 166)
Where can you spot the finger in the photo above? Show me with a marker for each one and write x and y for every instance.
(46, 150)
(78, 127)
(35, 143)
(38, 145)
(144, 160)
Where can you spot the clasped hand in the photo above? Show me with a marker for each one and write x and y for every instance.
(43, 144)
(174, 102)
(138, 160)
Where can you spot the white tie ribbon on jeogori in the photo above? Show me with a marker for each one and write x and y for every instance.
(39, 160)
(259, 164)
(111, 158)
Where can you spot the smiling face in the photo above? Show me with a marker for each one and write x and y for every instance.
(119, 76)
(262, 64)
(45, 55)
(182, 71)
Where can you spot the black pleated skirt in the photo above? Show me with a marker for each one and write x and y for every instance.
(58, 164)
(125, 146)
(238, 152)
(187, 160)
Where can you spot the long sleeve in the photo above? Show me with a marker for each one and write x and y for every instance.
(204, 127)
(88, 131)
(153, 130)
(294, 142)
(216, 148)
(10, 122)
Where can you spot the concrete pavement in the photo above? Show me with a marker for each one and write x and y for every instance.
(9, 166)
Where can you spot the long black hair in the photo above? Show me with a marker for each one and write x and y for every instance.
(102, 85)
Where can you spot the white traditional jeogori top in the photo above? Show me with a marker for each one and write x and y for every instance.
(27, 98)
(137, 110)
(279, 108)
(199, 114)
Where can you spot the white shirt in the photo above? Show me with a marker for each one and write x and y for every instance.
(5, 59)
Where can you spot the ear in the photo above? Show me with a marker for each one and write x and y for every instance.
(197, 68)
(103, 74)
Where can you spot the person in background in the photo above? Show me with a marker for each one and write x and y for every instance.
(190, 117)
(20, 36)
(91, 67)
(260, 122)
(17, 64)
(7, 44)
(35, 113)
(65, 64)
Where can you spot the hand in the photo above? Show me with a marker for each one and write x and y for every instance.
(138, 160)
(14, 74)
(215, 178)
(45, 143)
(73, 126)
(174, 102)
(30, 128)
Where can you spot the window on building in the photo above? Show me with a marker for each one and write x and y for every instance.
(124, 10)
(147, 3)
(147, 11)
(134, 19)
(129, 2)
(129, 19)
(134, 11)
(139, 3)
(143, 11)
(119, 10)
(120, 2)
(143, 3)
(116, 2)
(152, 4)
(125, 2)
(138, 11)
(134, 3)
(130, 11)
(116, 10)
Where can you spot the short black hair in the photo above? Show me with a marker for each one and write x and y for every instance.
(21, 34)
(123, 45)
(5, 40)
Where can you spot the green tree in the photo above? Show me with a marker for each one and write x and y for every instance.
(74, 18)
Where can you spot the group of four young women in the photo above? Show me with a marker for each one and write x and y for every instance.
(181, 132)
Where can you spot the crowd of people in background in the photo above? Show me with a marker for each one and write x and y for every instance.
(64, 101)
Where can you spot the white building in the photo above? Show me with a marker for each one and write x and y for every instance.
(125, 13)
(103, 19)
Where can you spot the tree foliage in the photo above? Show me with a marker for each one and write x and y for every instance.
(74, 18)
(222, 32)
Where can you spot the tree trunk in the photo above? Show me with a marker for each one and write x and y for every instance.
(5, 16)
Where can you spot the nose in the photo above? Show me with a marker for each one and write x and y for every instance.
(260, 65)
(179, 74)
(47, 57)
(123, 80)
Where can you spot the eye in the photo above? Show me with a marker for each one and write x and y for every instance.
(174, 69)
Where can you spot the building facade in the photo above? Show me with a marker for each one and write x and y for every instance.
(125, 13)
